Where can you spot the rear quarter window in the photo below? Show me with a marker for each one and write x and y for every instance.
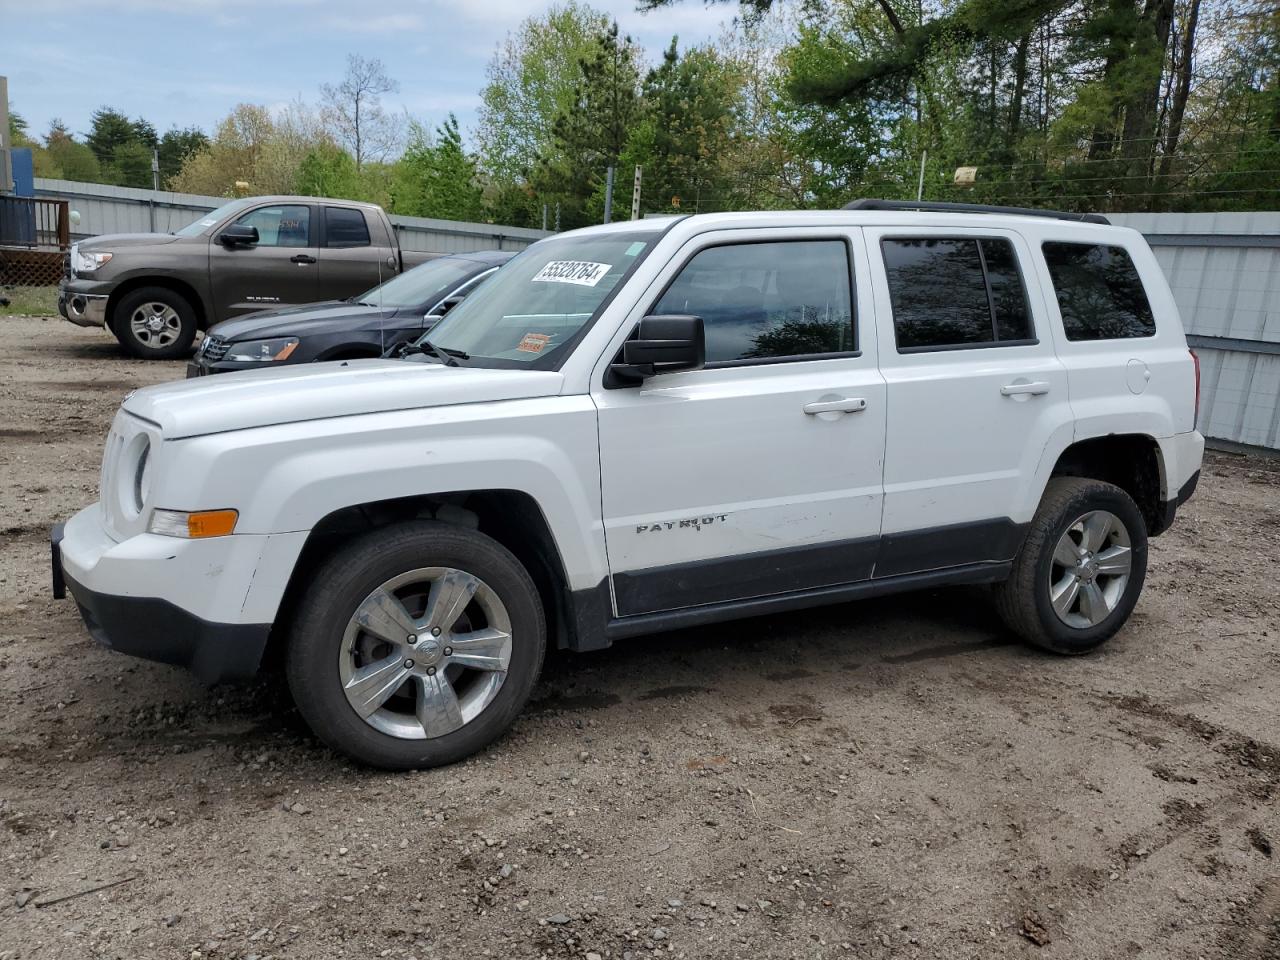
(345, 228)
(1100, 294)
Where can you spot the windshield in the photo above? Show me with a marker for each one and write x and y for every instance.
(535, 306)
(423, 285)
(211, 218)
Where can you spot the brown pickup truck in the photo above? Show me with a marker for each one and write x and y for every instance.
(155, 290)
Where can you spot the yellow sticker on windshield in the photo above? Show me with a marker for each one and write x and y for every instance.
(533, 342)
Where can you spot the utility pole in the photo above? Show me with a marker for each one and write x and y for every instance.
(155, 169)
(544, 218)
(608, 196)
(920, 187)
(635, 196)
(6, 162)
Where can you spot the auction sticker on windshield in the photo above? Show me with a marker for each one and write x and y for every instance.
(582, 272)
(533, 342)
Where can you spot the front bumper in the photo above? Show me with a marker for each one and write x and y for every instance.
(82, 306)
(202, 368)
(159, 598)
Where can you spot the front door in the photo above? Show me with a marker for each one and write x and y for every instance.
(976, 392)
(759, 474)
(279, 270)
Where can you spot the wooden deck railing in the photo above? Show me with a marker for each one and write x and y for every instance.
(35, 222)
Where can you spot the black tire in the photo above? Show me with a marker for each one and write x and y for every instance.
(170, 343)
(315, 642)
(1024, 602)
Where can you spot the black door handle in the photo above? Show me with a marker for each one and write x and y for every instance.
(302, 258)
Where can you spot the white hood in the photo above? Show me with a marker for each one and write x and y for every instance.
(317, 391)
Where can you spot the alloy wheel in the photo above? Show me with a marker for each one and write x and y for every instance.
(425, 653)
(1090, 569)
(155, 324)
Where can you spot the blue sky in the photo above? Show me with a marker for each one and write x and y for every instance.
(183, 62)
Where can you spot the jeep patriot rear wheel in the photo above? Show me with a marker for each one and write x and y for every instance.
(416, 645)
(1080, 570)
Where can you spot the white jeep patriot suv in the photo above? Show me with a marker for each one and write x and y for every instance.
(649, 425)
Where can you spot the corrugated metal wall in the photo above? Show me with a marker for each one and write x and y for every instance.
(108, 209)
(1224, 269)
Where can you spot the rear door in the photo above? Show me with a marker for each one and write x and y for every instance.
(760, 474)
(279, 270)
(355, 252)
(975, 391)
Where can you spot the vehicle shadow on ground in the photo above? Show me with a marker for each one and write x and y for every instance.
(790, 652)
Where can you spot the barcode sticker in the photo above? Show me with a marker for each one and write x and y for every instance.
(582, 272)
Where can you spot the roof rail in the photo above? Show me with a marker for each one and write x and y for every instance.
(939, 206)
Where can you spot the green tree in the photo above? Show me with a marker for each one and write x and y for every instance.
(436, 177)
(66, 157)
(327, 170)
(254, 147)
(108, 131)
(592, 133)
(175, 146)
(17, 128)
(145, 133)
(123, 147)
(683, 138)
(531, 81)
(131, 165)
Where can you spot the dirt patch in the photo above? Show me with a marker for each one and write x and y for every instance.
(892, 779)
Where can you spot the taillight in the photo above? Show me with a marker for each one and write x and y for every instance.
(1196, 361)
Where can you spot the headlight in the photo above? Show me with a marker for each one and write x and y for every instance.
(87, 262)
(202, 523)
(265, 350)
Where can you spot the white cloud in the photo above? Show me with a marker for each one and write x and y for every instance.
(384, 23)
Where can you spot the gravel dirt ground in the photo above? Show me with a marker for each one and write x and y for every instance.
(892, 778)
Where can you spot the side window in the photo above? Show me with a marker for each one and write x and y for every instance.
(759, 300)
(344, 227)
(286, 225)
(955, 292)
(1099, 292)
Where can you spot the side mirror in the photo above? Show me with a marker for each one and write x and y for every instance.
(238, 234)
(661, 344)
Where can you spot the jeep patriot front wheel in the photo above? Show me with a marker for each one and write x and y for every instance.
(416, 646)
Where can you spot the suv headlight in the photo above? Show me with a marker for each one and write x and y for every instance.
(87, 262)
(263, 350)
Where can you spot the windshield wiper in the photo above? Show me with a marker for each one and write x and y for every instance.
(446, 355)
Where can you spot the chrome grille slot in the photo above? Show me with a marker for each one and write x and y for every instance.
(110, 465)
(214, 349)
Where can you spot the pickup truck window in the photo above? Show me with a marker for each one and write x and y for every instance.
(532, 309)
(211, 219)
(767, 300)
(344, 227)
(283, 225)
(950, 292)
(1099, 292)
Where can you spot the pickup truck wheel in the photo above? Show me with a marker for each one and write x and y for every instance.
(1080, 570)
(154, 323)
(416, 646)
